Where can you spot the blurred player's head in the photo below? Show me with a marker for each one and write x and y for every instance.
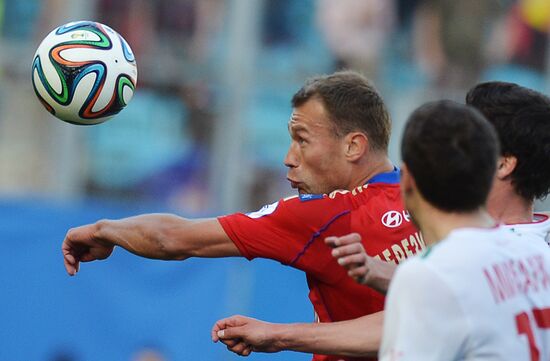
(449, 153)
(338, 122)
(521, 117)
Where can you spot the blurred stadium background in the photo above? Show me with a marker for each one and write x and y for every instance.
(205, 134)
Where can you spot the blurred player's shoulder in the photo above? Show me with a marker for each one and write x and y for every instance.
(538, 228)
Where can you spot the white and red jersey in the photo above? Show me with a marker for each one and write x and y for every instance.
(292, 231)
(479, 294)
(540, 226)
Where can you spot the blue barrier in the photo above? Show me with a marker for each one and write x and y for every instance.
(113, 308)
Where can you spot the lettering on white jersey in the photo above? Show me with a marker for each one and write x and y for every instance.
(517, 277)
(264, 211)
(407, 247)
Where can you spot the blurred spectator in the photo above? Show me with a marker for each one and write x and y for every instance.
(529, 24)
(356, 31)
(450, 38)
(173, 39)
(181, 184)
(405, 12)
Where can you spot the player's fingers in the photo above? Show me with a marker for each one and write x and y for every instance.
(247, 351)
(239, 348)
(352, 261)
(219, 325)
(225, 323)
(69, 258)
(347, 250)
(87, 257)
(70, 263)
(331, 241)
(68, 252)
(347, 239)
(214, 332)
(71, 269)
(359, 274)
(77, 234)
(230, 342)
(230, 333)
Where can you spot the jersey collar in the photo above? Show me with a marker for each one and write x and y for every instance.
(389, 177)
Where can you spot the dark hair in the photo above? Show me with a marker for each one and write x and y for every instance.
(521, 117)
(352, 103)
(451, 151)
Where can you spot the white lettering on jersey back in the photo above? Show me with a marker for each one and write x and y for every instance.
(264, 211)
(411, 245)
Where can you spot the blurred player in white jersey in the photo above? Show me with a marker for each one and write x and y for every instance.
(480, 292)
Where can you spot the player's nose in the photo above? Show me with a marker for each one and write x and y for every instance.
(291, 159)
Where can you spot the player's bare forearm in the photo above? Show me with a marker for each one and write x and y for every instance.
(168, 237)
(356, 338)
(360, 337)
(159, 236)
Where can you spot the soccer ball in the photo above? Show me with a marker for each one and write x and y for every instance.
(84, 72)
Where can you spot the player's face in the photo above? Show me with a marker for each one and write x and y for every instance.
(316, 160)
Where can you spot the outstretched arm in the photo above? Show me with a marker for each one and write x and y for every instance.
(160, 236)
(356, 338)
(364, 269)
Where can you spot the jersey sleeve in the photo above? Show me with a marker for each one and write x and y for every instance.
(282, 230)
(423, 319)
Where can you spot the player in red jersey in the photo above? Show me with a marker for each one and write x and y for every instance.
(521, 118)
(338, 162)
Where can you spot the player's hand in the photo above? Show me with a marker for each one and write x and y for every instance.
(350, 253)
(83, 245)
(364, 269)
(243, 335)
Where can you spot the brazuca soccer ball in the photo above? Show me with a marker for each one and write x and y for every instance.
(84, 72)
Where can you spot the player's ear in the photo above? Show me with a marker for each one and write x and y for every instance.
(408, 184)
(409, 192)
(505, 166)
(357, 145)
(407, 181)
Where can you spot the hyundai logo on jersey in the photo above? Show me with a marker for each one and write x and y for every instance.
(392, 219)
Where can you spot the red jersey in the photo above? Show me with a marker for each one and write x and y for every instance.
(292, 231)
